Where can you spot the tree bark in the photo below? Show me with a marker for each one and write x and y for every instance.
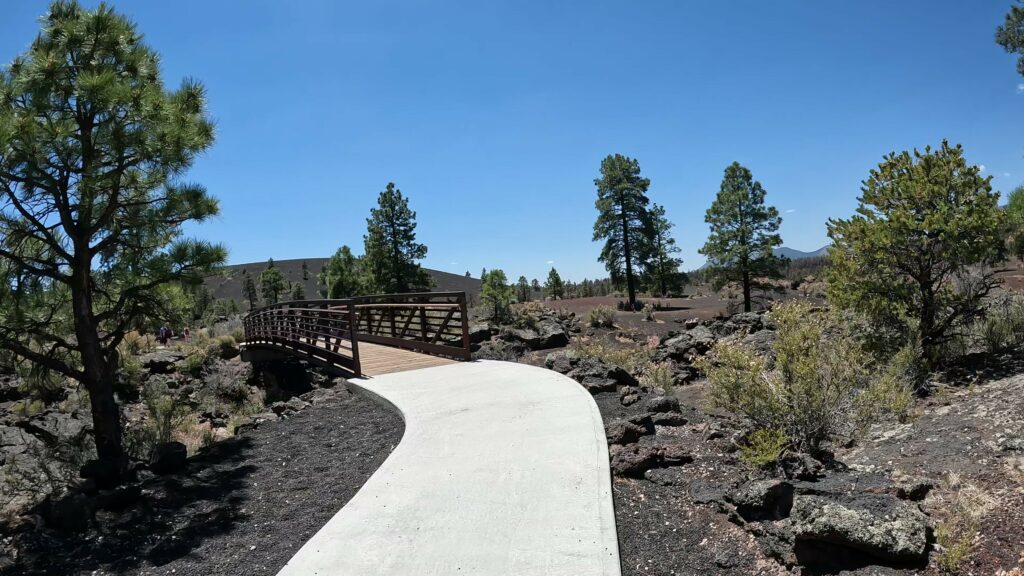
(629, 264)
(99, 380)
(746, 291)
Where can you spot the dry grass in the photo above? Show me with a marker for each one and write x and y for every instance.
(957, 533)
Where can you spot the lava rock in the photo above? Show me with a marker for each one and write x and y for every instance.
(674, 476)
(168, 458)
(72, 512)
(633, 460)
(763, 500)
(562, 361)
(623, 432)
(662, 404)
(800, 466)
(479, 333)
(161, 361)
(880, 525)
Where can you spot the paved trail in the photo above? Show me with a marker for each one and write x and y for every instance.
(503, 469)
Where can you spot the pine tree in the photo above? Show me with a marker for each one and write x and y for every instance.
(523, 289)
(272, 284)
(249, 290)
(554, 287)
(535, 286)
(298, 292)
(342, 277)
(496, 296)
(93, 149)
(1011, 35)
(305, 270)
(924, 243)
(391, 248)
(623, 220)
(663, 266)
(743, 232)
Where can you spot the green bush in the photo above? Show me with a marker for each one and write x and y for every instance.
(763, 447)
(657, 375)
(195, 362)
(1002, 324)
(165, 412)
(601, 317)
(648, 312)
(823, 386)
(223, 347)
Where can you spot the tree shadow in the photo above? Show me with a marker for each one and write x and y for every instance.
(154, 521)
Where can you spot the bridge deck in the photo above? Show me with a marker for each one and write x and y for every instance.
(378, 359)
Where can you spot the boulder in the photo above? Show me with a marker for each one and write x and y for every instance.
(633, 460)
(168, 458)
(596, 384)
(547, 334)
(54, 426)
(800, 466)
(761, 342)
(72, 512)
(592, 368)
(501, 350)
(879, 525)
(763, 500)
(161, 361)
(674, 454)
(752, 321)
(662, 404)
(479, 333)
(685, 346)
(10, 388)
(915, 489)
(623, 432)
(562, 361)
(668, 419)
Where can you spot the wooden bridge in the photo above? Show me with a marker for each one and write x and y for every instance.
(365, 335)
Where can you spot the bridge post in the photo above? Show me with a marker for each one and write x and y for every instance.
(464, 312)
(356, 368)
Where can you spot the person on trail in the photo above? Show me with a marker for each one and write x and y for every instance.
(187, 334)
(163, 335)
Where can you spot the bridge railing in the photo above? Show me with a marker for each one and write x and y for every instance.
(329, 331)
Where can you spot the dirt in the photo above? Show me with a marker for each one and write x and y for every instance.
(244, 506)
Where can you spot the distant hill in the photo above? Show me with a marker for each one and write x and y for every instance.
(794, 254)
(228, 284)
(791, 253)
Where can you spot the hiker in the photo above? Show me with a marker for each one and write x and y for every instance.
(187, 334)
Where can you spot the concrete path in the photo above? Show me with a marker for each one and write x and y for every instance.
(503, 469)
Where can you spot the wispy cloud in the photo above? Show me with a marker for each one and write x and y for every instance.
(551, 261)
(791, 210)
(1020, 88)
(1006, 174)
(981, 167)
(454, 264)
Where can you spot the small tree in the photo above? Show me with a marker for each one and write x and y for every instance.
(523, 289)
(298, 292)
(535, 286)
(554, 287)
(663, 266)
(342, 277)
(743, 232)
(496, 296)
(927, 233)
(623, 220)
(92, 151)
(391, 249)
(249, 290)
(272, 284)
(1015, 221)
(305, 271)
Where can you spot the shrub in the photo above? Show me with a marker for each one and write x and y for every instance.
(165, 412)
(601, 317)
(635, 359)
(763, 447)
(195, 361)
(1002, 324)
(823, 384)
(657, 375)
(223, 347)
(135, 343)
(648, 312)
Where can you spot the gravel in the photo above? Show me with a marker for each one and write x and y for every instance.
(244, 506)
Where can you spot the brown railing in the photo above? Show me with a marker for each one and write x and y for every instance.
(329, 331)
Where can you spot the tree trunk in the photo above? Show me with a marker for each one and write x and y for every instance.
(629, 264)
(99, 381)
(746, 291)
(927, 324)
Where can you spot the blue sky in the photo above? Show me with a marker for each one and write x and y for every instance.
(492, 117)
